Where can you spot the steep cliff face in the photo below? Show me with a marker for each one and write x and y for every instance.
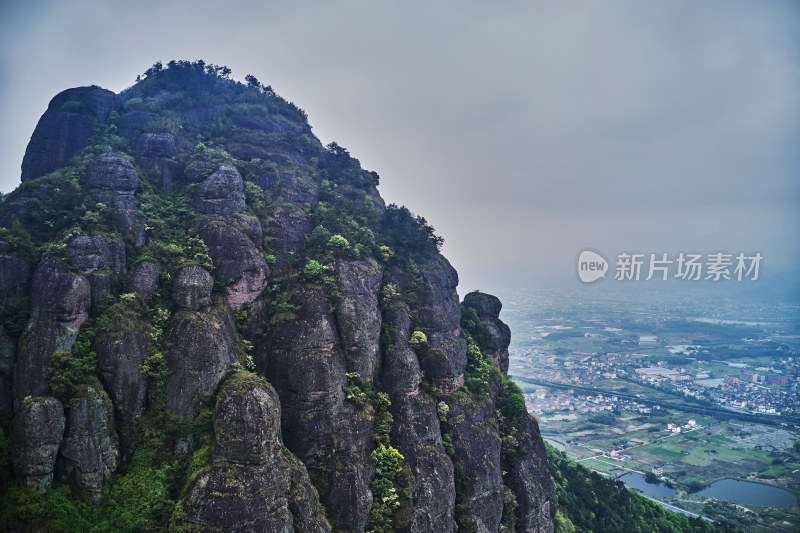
(212, 322)
(254, 483)
(64, 129)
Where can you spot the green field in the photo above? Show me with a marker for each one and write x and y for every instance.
(713, 452)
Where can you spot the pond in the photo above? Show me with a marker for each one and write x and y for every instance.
(636, 481)
(745, 492)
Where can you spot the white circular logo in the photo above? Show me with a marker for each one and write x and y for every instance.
(591, 266)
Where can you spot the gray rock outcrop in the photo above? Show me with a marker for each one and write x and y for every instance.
(113, 174)
(15, 278)
(529, 479)
(8, 358)
(131, 124)
(359, 316)
(348, 392)
(247, 430)
(493, 334)
(114, 180)
(286, 230)
(119, 358)
(100, 258)
(15, 275)
(37, 433)
(89, 253)
(237, 261)
(60, 303)
(199, 352)
(416, 430)
(440, 320)
(191, 289)
(155, 155)
(254, 484)
(288, 226)
(144, 279)
(90, 449)
(222, 193)
(233, 238)
(293, 188)
(64, 129)
(304, 361)
(476, 440)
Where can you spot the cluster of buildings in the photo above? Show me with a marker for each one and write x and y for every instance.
(657, 374)
(676, 429)
(750, 391)
(752, 377)
(763, 390)
(540, 402)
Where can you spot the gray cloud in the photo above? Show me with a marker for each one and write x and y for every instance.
(522, 131)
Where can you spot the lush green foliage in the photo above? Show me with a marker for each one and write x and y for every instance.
(142, 498)
(510, 413)
(418, 342)
(592, 502)
(119, 314)
(338, 244)
(5, 456)
(408, 234)
(282, 308)
(369, 398)
(469, 317)
(69, 371)
(214, 121)
(340, 168)
(312, 270)
(510, 505)
(63, 509)
(342, 218)
(480, 375)
(393, 485)
(382, 421)
(155, 369)
(171, 239)
(15, 316)
(391, 298)
(18, 238)
(198, 83)
(385, 499)
(356, 391)
(51, 216)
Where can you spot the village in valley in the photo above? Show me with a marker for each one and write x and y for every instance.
(693, 402)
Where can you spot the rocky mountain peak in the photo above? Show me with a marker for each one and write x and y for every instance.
(211, 321)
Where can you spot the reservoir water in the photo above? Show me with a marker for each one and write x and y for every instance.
(634, 480)
(745, 492)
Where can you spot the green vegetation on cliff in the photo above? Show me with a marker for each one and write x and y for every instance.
(590, 502)
(211, 321)
(163, 241)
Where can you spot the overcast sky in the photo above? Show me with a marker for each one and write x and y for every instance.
(523, 131)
